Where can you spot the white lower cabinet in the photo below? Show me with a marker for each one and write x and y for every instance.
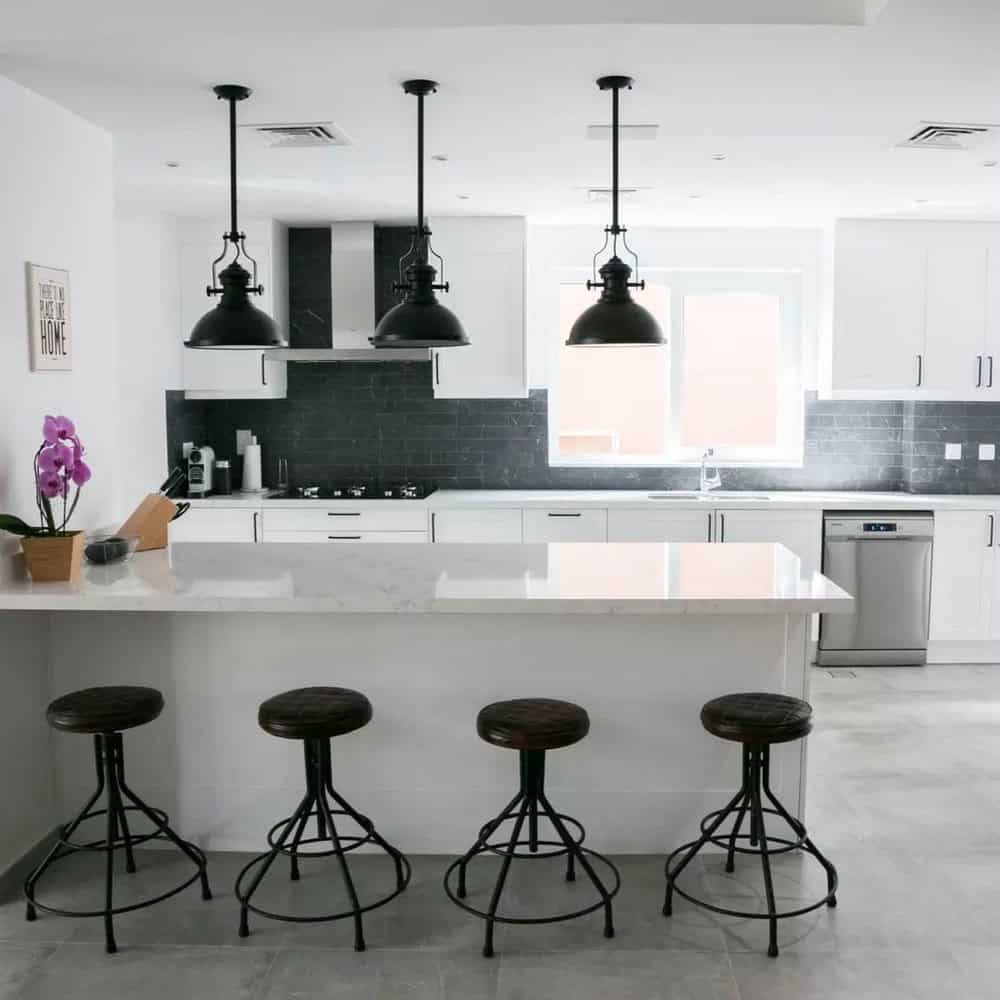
(476, 525)
(345, 535)
(660, 525)
(799, 530)
(216, 524)
(964, 575)
(565, 524)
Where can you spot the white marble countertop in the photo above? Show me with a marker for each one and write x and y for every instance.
(737, 499)
(556, 578)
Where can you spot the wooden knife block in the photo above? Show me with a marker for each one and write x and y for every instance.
(149, 521)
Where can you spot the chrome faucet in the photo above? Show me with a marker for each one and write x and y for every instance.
(708, 481)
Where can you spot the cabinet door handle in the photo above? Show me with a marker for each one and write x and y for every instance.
(433, 526)
(989, 371)
(255, 516)
(343, 513)
(344, 538)
(709, 538)
(577, 514)
(437, 368)
(979, 371)
(989, 544)
(263, 371)
(722, 527)
(920, 370)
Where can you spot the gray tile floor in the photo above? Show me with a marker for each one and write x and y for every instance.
(904, 796)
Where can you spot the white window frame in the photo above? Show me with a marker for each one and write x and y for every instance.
(789, 451)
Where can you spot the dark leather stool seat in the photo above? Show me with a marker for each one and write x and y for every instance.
(757, 717)
(533, 724)
(314, 713)
(105, 709)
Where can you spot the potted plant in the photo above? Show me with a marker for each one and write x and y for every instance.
(50, 551)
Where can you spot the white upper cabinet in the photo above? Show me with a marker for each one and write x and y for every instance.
(956, 356)
(878, 309)
(485, 268)
(916, 310)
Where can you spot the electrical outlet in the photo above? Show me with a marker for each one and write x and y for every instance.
(952, 452)
(242, 440)
(987, 452)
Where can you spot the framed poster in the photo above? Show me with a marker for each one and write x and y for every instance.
(49, 318)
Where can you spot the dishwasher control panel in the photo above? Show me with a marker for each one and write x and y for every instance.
(919, 524)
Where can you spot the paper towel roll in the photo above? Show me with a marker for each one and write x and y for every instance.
(251, 468)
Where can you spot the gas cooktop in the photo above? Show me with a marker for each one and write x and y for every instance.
(355, 491)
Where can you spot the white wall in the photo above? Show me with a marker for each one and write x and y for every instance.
(557, 254)
(149, 348)
(56, 208)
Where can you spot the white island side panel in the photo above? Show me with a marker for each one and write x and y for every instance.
(639, 782)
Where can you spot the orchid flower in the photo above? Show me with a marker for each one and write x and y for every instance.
(56, 429)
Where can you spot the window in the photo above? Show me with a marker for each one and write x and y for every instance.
(729, 379)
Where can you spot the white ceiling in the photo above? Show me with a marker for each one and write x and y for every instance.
(806, 99)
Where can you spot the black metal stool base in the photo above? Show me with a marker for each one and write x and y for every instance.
(756, 776)
(287, 837)
(526, 807)
(110, 763)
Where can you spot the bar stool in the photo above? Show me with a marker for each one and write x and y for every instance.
(105, 712)
(532, 726)
(757, 720)
(315, 715)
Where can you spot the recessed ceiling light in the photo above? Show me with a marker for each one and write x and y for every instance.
(920, 201)
(173, 164)
(718, 156)
(695, 196)
(989, 163)
(440, 157)
(462, 197)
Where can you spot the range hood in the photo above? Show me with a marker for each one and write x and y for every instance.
(352, 307)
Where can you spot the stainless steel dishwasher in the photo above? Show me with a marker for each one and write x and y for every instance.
(884, 561)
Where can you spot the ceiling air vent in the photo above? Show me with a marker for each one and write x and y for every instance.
(300, 135)
(948, 135)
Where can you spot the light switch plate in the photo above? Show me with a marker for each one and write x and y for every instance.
(186, 448)
(987, 452)
(952, 452)
(242, 440)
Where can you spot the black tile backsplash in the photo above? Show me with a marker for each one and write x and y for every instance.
(310, 305)
(381, 421)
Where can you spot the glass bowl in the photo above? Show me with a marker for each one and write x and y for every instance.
(106, 548)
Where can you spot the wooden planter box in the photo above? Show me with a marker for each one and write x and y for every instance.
(54, 559)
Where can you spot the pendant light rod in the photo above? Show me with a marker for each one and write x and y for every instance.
(614, 160)
(232, 93)
(420, 163)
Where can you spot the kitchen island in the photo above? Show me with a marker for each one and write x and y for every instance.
(640, 634)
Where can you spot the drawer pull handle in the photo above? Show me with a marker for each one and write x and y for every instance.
(344, 538)
(577, 514)
(343, 513)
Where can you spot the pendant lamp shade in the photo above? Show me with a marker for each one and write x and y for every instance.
(616, 319)
(420, 320)
(235, 322)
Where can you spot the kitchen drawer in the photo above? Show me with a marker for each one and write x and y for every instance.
(345, 535)
(476, 525)
(346, 518)
(566, 524)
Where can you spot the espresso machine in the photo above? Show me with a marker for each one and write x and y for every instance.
(201, 468)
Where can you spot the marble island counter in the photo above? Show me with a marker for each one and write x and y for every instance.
(554, 578)
(639, 634)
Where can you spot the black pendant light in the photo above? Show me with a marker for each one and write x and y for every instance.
(615, 319)
(235, 322)
(419, 320)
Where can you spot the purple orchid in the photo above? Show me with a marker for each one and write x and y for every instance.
(56, 429)
(56, 457)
